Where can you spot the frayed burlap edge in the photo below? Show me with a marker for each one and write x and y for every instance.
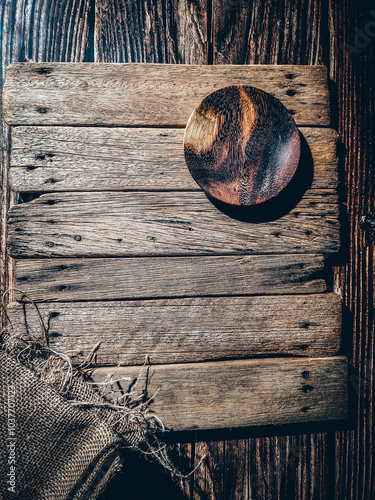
(129, 416)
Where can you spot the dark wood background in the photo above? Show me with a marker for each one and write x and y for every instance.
(299, 462)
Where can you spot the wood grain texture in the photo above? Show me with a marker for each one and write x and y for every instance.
(268, 32)
(189, 330)
(97, 158)
(148, 277)
(236, 478)
(262, 468)
(7, 198)
(290, 31)
(274, 32)
(281, 32)
(173, 32)
(149, 95)
(209, 478)
(241, 145)
(134, 224)
(262, 392)
(352, 66)
(39, 31)
(296, 465)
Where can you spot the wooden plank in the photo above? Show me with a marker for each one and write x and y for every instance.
(149, 94)
(187, 330)
(97, 158)
(183, 223)
(155, 32)
(239, 393)
(352, 53)
(150, 277)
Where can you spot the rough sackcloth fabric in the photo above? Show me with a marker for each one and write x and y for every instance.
(60, 439)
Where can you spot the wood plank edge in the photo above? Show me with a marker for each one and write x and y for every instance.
(248, 342)
(182, 405)
(13, 71)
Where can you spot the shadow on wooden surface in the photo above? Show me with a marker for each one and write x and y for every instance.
(142, 479)
(298, 429)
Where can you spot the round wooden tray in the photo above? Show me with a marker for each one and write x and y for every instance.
(242, 145)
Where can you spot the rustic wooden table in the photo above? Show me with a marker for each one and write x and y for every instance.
(295, 462)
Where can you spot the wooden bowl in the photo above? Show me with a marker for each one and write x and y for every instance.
(241, 145)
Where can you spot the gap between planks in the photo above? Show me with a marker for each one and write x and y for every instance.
(187, 330)
(240, 393)
(86, 159)
(150, 94)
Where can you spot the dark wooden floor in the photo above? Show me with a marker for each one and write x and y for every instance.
(300, 462)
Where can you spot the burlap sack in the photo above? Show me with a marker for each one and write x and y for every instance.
(61, 437)
(50, 449)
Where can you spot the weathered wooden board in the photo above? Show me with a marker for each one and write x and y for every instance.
(243, 392)
(172, 32)
(176, 243)
(98, 158)
(148, 277)
(188, 330)
(174, 223)
(244, 32)
(148, 94)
